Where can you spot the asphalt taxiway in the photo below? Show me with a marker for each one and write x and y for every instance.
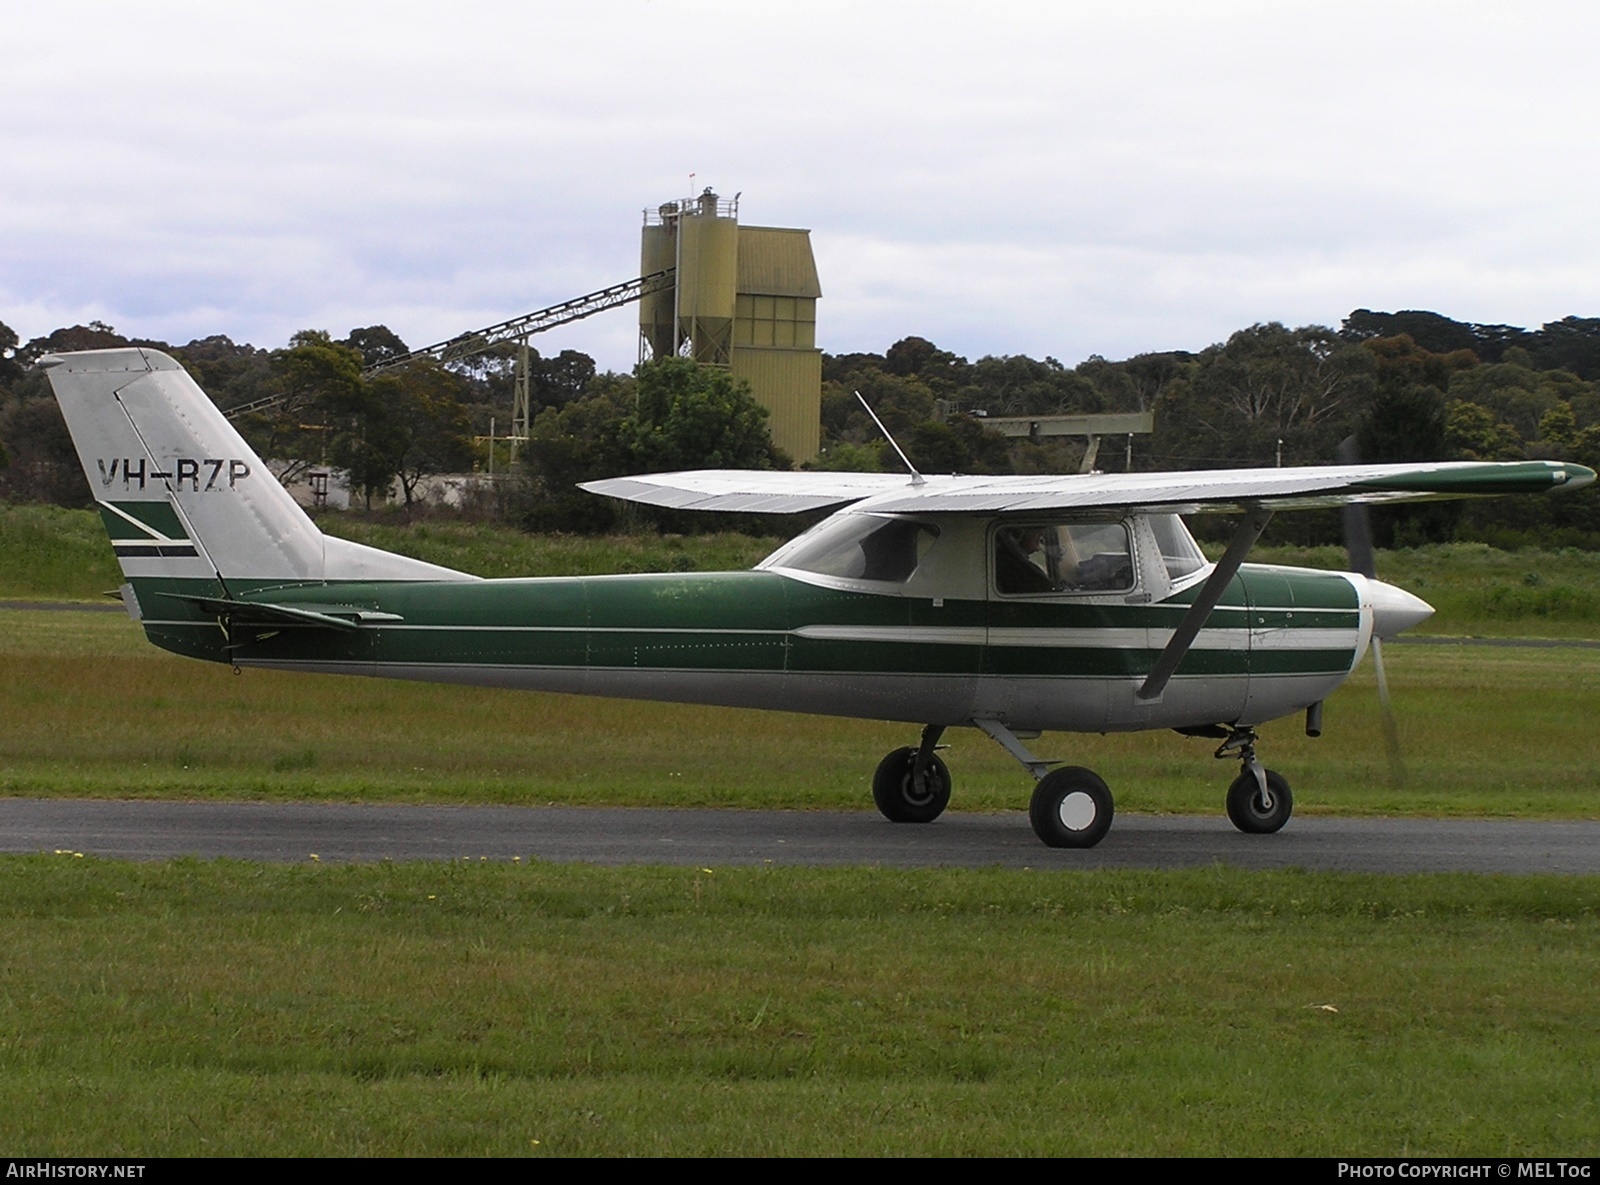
(293, 832)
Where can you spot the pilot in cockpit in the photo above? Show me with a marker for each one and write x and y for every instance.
(1020, 560)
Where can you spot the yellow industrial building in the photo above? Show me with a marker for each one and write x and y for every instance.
(744, 297)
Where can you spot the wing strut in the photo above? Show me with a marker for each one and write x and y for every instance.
(1007, 740)
(1195, 619)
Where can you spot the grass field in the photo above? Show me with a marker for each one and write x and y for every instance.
(189, 1008)
(219, 1008)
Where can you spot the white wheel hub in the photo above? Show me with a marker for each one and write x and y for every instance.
(1077, 811)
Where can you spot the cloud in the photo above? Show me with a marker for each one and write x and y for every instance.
(1084, 180)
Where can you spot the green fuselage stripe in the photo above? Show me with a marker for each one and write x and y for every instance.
(764, 622)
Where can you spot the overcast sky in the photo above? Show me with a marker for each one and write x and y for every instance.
(1048, 179)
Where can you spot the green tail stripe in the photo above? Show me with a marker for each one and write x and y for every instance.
(158, 519)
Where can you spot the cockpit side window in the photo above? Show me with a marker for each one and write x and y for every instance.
(1040, 559)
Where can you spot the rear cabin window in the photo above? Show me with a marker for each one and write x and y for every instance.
(864, 547)
(1040, 559)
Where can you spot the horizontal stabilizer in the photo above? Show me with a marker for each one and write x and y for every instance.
(338, 617)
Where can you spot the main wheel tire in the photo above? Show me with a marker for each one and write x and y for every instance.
(1249, 813)
(1071, 808)
(900, 798)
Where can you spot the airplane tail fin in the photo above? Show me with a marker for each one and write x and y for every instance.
(182, 495)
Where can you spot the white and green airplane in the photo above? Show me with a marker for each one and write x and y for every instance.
(1012, 604)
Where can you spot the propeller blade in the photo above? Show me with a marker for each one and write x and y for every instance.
(1391, 731)
(1358, 542)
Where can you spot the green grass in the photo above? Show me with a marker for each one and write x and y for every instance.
(218, 1008)
(91, 709)
(493, 551)
(50, 553)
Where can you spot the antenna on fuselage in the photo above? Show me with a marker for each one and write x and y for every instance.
(916, 478)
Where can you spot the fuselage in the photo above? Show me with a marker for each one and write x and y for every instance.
(935, 640)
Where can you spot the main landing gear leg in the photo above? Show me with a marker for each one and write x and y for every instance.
(913, 785)
(1259, 801)
(1071, 806)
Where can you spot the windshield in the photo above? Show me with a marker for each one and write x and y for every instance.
(861, 547)
(1179, 552)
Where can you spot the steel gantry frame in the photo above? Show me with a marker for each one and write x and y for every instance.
(519, 330)
(466, 345)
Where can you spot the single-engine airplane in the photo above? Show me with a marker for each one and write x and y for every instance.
(1013, 604)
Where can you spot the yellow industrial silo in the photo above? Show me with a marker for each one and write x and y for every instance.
(745, 297)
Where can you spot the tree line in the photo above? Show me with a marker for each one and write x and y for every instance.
(311, 404)
(1408, 386)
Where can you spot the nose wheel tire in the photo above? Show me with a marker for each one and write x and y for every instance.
(1071, 808)
(1250, 812)
(902, 797)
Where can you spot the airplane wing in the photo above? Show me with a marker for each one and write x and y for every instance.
(1225, 490)
(749, 491)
